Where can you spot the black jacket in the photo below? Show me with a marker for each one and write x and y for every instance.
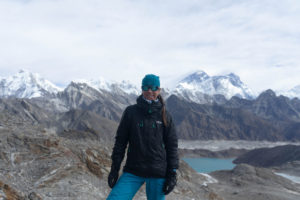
(152, 146)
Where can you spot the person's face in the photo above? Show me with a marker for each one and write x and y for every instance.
(150, 94)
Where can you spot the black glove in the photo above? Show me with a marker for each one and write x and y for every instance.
(113, 176)
(170, 182)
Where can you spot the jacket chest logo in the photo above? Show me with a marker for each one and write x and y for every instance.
(153, 124)
(141, 124)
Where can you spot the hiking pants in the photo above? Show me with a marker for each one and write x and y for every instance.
(129, 184)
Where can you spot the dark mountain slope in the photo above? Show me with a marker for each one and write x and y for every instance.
(270, 157)
(269, 106)
(87, 124)
(200, 121)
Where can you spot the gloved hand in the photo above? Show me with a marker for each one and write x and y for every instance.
(170, 182)
(113, 176)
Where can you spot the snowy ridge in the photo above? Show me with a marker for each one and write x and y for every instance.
(196, 87)
(209, 179)
(129, 88)
(99, 84)
(292, 93)
(111, 86)
(198, 83)
(295, 179)
(219, 145)
(26, 85)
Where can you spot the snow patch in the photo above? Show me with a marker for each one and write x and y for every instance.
(12, 159)
(295, 179)
(219, 145)
(111, 86)
(292, 93)
(2, 195)
(209, 179)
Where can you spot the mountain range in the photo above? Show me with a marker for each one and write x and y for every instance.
(57, 144)
(82, 105)
(196, 87)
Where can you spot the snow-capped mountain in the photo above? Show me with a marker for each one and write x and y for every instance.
(199, 85)
(111, 86)
(26, 85)
(292, 93)
(29, 85)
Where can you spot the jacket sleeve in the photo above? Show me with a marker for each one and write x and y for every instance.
(121, 141)
(171, 144)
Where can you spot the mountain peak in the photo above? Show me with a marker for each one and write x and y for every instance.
(267, 93)
(111, 86)
(195, 85)
(198, 76)
(24, 72)
(25, 84)
(233, 76)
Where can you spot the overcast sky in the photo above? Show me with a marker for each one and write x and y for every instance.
(64, 40)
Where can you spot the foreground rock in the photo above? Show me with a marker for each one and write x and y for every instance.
(247, 182)
(36, 163)
(66, 155)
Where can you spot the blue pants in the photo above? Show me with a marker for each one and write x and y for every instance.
(129, 184)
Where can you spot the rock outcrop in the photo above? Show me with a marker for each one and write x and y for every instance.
(38, 163)
(247, 182)
(270, 157)
(268, 117)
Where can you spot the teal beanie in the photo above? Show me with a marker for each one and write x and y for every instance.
(151, 79)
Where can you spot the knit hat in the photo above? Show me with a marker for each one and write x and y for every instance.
(151, 79)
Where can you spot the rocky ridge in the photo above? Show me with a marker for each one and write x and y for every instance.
(66, 155)
(37, 163)
(59, 147)
(270, 157)
(268, 117)
(247, 182)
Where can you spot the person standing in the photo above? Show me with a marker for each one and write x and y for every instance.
(152, 153)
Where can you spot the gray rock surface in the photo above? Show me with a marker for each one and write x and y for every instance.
(38, 163)
(48, 153)
(268, 117)
(248, 183)
(270, 157)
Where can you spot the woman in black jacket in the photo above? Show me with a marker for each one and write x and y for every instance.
(148, 131)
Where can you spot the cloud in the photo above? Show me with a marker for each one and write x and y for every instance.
(124, 39)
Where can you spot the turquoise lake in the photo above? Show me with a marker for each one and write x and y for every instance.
(207, 165)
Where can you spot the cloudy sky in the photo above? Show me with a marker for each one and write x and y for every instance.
(64, 40)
